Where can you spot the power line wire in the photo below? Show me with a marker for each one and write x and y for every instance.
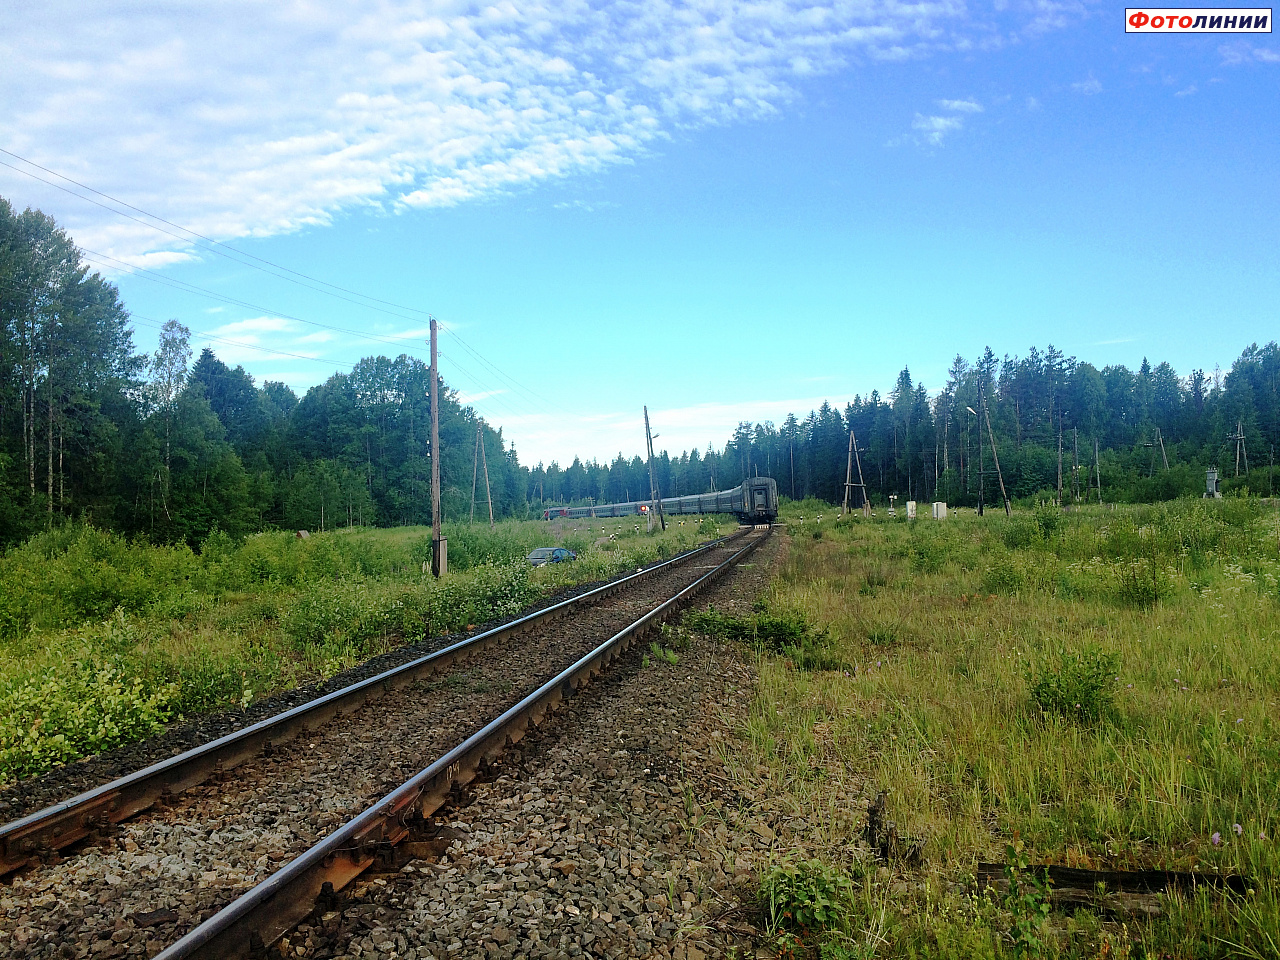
(189, 287)
(216, 246)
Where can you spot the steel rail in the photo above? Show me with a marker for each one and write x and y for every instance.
(281, 901)
(62, 824)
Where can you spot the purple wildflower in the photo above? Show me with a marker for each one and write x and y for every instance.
(1216, 838)
(1238, 829)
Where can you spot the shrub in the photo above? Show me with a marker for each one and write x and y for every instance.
(785, 633)
(74, 710)
(1004, 575)
(1142, 584)
(1021, 532)
(808, 898)
(1078, 686)
(926, 554)
(1048, 519)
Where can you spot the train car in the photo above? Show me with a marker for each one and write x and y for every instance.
(754, 501)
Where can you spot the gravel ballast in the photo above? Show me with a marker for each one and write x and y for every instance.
(613, 832)
(154, 878)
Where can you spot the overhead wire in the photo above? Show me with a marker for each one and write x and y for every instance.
(491, 401)
(406, 345)
(218, 247)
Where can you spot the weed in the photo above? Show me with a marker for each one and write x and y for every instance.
(1078, 686)
(661, 653)
(1142, 583)
(103, 639)
(1005, 575)
(882, 637)
(785, 633)
(1027, 903)
(79, 709)
(875, 575)
(805, 898)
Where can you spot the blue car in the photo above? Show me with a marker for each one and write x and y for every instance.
(550, 555)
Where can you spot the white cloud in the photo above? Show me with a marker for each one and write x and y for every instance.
(320, 336)
(466, 398)
(244, 329)
(250, 118)
(1088, 87)
(1187, 92)
(1234, 54)
(935, 129)
(961, 106)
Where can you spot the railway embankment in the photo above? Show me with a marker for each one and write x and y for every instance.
(140, 886)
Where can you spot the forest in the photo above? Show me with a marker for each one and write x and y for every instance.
(173, 445)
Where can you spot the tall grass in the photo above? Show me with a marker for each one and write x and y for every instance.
(103, 640)
(1100, 684)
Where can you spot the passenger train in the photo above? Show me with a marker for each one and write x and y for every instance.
(754, 501)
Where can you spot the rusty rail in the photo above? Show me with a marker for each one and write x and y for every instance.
(284, 899)
(65, 823)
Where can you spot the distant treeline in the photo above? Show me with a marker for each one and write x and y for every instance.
(928, 448)
(171, 449)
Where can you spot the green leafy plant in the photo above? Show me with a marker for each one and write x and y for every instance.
(786, 633)
(1027, 903)
(662, 653)
(1142, 584)
(805, 898)
(1078, 686)
(76, 710)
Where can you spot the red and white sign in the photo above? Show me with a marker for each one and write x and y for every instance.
(1197, 20)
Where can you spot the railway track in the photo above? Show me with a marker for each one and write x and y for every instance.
(242, 836)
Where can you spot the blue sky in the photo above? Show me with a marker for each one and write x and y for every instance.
(723, 210)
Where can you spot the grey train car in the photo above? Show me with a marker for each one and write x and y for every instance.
(754, 501)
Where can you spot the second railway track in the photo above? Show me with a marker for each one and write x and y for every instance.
(156, 877)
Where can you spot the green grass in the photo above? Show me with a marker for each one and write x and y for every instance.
(967, 645)
(103, 641)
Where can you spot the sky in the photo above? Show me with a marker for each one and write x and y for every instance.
(725, 211)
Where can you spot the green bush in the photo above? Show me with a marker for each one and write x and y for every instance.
(1077, 686)
(926, 553)
(77, 573)
(808, 898)
(1004, 575)
(1142, 584)
(785, 633)
(1021, 532)
(366, 612)
(75, 710)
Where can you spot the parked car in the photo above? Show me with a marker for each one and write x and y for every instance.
(550, 555)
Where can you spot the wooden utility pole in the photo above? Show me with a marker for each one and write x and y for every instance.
(1238, 437)
(478, 458)
(1075, 464)
(848, 476)
(1097, 469)
(1008, 510)
(439, 546)
(475, 474)
(1059, 459)
(488, 492)
(862, 484)
(654, 492)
